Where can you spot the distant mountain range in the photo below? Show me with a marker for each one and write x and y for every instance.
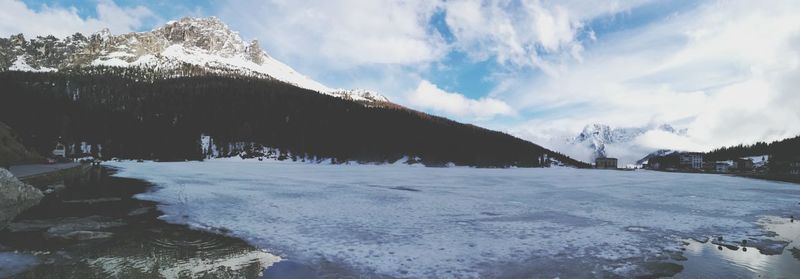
(152, 95)
(604, 141)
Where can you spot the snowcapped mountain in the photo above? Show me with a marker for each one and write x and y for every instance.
(207, 43)
(599, 137)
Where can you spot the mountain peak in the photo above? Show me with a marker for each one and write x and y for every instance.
(103, 33)
(206, 42)
(211, 22)
(599, 136)
(208, 34)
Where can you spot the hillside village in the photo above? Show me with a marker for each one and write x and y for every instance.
(778, 166)
(778, 160)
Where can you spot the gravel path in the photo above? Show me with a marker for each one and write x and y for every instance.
(36, 169)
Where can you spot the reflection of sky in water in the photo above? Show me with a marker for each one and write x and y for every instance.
(13, 263)
(706, 260)
(142, 248)
(182, 253)
(243, 264)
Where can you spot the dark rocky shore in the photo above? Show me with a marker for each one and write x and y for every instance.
(90, 226)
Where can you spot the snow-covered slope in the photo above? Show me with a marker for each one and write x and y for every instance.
(205, 42)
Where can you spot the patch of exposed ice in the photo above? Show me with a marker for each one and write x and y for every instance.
(458, 222)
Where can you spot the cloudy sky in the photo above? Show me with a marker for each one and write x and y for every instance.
(725, 70)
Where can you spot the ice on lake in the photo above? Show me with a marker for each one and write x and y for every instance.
(463, 222)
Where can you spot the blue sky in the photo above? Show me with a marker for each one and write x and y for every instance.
(455, 71)
(537, 69)
(164, 9)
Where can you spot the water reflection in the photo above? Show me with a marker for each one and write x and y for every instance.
(137, 246)
(190, 255)
(707, 260)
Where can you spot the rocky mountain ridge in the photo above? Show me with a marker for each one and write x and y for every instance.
(205, 43)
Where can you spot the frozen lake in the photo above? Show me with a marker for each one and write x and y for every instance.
(404, 221)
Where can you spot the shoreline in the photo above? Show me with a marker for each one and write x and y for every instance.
(93, 226)
(33, 171)
(765, 177)
(779, 178)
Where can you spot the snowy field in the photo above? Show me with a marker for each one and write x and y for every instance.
(462, 222)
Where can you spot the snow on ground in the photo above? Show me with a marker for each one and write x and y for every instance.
(465, 222)
(759, 161)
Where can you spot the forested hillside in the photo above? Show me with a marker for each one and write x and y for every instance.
(132, 116)
(783, 148)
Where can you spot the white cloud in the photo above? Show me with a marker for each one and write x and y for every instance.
(429, 96)
(381, 45)
(353, 43)
(327, 38)
(725, 70)
(525, 33)
(341, 34)
(63, 21)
